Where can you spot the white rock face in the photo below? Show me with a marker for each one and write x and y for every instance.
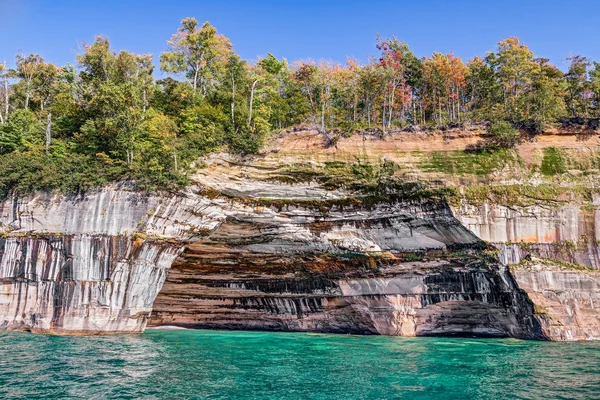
(568, 233)
(111, 211)
(567, 303)
(565, 299)
(80, 283)
(114, 259)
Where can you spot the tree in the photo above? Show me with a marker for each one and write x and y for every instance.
(326, 72)
(162, 132)
(172, 97)
(235, 78)
(485, 96)
(595, 87)
(577, 85)
(502, 135)
(33, 72)
(202, 128)
(4, 92)
(370, 87)
(114, 88)
(199, 55)
(545, 100)
(22, 131)
(444, 77)
(282, 94)
(306, 73)
(392, 62)
(514, 66)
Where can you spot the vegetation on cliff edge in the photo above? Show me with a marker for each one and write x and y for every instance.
(107, 118)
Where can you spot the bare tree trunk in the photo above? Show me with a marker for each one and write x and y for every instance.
(174, 155)
(383, 116)
(48, 132)
(233, 101)
(323, 116)
(369, 113)
(384, 106)
(312, 104)
(144, 105)
(6, 98)
(251, 99)
(458, 104)
(355, 105)
(195, 81)
(27, 100)
(391, 106)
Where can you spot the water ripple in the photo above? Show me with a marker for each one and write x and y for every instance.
(257, 365)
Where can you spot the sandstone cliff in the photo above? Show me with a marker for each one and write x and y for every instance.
(380, 236)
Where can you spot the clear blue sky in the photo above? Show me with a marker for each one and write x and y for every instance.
(305, 29)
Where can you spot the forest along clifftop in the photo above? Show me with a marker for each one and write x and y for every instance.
(360, 234)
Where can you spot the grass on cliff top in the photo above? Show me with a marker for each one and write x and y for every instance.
(359, 175)
(554, 162)
(529, 264)
(557, 161)
(523, 195)
(459, 162)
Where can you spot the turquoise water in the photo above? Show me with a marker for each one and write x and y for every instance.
(257, 365)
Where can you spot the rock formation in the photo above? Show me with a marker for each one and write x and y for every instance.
(275, 243)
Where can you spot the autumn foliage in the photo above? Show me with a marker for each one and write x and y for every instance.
(109, 116)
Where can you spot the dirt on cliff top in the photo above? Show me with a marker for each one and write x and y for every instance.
(310, 144)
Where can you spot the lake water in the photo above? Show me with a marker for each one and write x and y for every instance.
(259, 365)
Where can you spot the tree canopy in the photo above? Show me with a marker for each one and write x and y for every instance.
(107, 117)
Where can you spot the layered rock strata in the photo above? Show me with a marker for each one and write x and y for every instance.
(252, 246)
(564, 232)
(566, 301)
(96, 264)
(358, 296)
(80, 283)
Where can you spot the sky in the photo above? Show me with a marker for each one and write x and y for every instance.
(308, 29)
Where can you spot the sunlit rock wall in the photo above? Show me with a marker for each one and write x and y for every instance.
(566, 232)
(85, 264)
(95, 263)
(566, 301)
(80, 283)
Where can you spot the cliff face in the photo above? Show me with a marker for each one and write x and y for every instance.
(71, 264)
(566, 301)
(566, 232)
(80, 283)
(305, 239)
(417, 298)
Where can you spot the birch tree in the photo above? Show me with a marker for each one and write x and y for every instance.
(196, 54)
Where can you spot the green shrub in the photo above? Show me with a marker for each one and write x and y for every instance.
(502, 136)
(554, 162)
(482, 162)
